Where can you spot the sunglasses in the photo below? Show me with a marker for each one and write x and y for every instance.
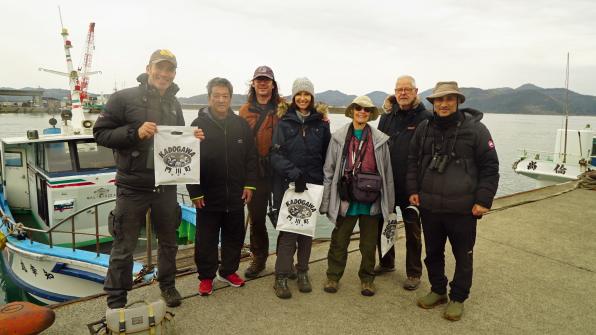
(358, 108)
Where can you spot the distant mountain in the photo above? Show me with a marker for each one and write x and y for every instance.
(526, 99)
(203, 99)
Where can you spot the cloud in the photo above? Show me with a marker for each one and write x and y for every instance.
(352, 46)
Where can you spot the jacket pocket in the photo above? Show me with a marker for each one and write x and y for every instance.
(122, 159)
(137, 160)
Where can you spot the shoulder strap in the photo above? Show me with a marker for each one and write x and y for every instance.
(421, 147)
(344, 153)
(366, 133)
(262, 115)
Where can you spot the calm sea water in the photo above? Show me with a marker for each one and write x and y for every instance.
(510, 132)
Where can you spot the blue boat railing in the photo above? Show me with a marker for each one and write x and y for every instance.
(54, 229)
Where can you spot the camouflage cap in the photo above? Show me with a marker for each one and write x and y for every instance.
(163, 55)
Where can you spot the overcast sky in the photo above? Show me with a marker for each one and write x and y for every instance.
(352, 46)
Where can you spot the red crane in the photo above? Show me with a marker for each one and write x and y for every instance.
(85, 69)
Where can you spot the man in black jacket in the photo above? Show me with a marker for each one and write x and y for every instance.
(453, 175)
(403, 112)
(228, 176)
(127, 126)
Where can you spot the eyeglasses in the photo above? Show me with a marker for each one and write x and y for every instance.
(404, 90)
(359, 108)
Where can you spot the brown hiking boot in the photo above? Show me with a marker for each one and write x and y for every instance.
(304, 282)
(380, 269)
(281, 288)
(368, 289)
(454, 310)
(431, 300)
(411, 283)
(331, 286)
(254, 269)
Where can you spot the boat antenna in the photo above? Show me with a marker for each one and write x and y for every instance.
(566, 108)
(60, 13)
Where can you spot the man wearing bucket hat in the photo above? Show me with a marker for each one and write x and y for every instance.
(403, 113)
(260, 112)
(358, 188)
(127, 125)
(453, 175)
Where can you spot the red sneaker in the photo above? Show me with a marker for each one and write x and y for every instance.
(206, 287)
(232, 279)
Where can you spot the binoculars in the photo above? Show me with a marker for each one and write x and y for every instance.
(438, 163)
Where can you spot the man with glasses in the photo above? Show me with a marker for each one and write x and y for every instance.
(403, 112)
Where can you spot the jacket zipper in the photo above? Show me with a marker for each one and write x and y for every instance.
(227, 168)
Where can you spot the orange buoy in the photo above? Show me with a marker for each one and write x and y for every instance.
(24, 318)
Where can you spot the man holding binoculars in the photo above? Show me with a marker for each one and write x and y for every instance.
(453, 175)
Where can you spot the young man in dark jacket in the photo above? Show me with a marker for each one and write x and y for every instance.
(127, 125)
(228, 175)
(260, 113)
(403, 113)
(453, 175)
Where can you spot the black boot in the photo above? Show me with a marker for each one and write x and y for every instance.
(304, 282)
(281, 288)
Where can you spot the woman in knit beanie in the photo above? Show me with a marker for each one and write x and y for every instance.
(297, 155)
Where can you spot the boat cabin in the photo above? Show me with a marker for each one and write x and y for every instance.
(47, 179)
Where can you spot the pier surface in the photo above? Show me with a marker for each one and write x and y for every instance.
(534, 273)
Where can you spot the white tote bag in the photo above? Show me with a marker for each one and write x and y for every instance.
(176, 156)
(299, 211)
(389, 233)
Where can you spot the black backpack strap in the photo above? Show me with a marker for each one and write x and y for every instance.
(346, 143)
(262, 115)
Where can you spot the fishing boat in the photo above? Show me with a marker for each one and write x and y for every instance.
(574, 153)
(57, 187)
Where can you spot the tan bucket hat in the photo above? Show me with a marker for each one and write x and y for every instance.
(444, 88)
(365, 102)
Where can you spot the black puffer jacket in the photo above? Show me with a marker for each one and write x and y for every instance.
(472, 174)
(228, 161)
(299, 149)
(400, 125)
(117, 128)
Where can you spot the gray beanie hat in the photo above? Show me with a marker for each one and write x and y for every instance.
(303, 84)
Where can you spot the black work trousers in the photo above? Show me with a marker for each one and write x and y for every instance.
(460, 229)
(125, 223)
(413, 246)
(210, 224)
(257, 209)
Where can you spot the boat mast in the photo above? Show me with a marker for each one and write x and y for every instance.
(566, 109)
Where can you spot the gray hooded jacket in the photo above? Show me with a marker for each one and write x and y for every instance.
(331, 204)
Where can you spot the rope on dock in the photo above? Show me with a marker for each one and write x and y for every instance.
(587, 180)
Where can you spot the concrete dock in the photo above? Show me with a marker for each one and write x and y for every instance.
(534, 273)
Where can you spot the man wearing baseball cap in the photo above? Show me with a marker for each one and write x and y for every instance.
(453, 175)
(127, 126)
(260, 113)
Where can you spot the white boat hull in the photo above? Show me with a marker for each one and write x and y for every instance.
(52, 279)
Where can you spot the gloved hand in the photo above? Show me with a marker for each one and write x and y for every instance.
(300, 184)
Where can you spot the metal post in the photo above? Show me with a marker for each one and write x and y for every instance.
(96, 232)
(148, 234)
(51, 244)
(73, 232)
